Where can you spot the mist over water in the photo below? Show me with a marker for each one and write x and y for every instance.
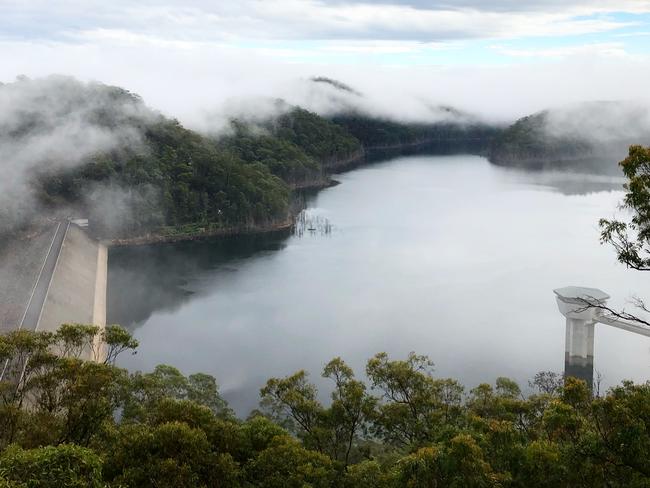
(447, 256)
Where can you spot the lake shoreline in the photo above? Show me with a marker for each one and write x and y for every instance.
(364, 156)
(284, 225)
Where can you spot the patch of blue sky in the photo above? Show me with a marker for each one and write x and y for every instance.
(632, 36)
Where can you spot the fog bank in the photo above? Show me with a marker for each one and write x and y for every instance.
(56, 123)
(187, 81)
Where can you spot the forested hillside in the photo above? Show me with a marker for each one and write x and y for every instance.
(178, 177)
(590, 136)
(137, 170)
(380, 133)
(527, 143)
(297, 146)
(98, 151)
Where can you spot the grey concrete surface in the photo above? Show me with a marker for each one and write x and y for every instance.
(22, 257)
(72, 293)
(39, 295)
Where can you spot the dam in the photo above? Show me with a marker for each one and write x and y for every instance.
(51, 275)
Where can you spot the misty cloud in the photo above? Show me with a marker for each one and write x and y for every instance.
(202, 20)
(602, 122)
(57, 123)
(328, 97)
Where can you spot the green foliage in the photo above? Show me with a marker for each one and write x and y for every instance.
(170, 177)
(68, 396)
(286, 464)
(74, 422)
(528, 143)
(117, 340)
(333, 431)
(380, 133)
(152, 177)
(630, 239)
(284, 159)
(177, 181)
(415, 407)
(319, 138)
(146, 389)
(59, 466)
(171, 454)
(258, 433)
(297, 145)
(460, 463)
(366, 474)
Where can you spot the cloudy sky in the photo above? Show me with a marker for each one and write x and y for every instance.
(501, 58)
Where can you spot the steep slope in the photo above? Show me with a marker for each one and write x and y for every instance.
(378, 133)
(88, 149)
(298, 146)
(127, 167)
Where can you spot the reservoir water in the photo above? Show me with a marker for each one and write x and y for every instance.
(447, 256)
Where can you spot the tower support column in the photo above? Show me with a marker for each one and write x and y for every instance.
(580, 306)
(579, 350)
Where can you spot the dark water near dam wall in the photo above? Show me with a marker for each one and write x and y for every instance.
(447, 256)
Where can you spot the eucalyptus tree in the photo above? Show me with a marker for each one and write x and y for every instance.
(631, 239)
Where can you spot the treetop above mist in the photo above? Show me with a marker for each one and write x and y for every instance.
(70, 147)
(594, 133)
(339, 85)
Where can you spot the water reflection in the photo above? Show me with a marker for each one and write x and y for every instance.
(448, 256)
(144, 280)
(567, 183)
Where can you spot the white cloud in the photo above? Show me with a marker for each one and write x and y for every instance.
(614, 49)
(188, 58)
(312, 19)
(187, 83)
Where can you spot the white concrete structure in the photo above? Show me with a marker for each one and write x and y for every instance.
(77, 290)
(583, 308)
(80, 222)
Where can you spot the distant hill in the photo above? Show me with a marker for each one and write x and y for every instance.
(298, 146)
(438, 127)
(99, 151)
(382, 133)
(591, 136)
(339, 85)
(73, 148)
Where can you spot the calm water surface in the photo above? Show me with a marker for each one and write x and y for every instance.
(447, 256)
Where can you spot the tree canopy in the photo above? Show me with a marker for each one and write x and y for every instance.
(631, 240)
(73, 422)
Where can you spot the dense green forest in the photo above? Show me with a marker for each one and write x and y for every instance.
(102, 153)
(140, 170)
(297, 145)
(587, 136)
(98, 151)
(178, 178)
(135, 172)
(380, 133)
(527, 143)
(77, 423)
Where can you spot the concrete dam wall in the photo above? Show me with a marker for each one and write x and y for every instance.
(50, 276)
(77, 291)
